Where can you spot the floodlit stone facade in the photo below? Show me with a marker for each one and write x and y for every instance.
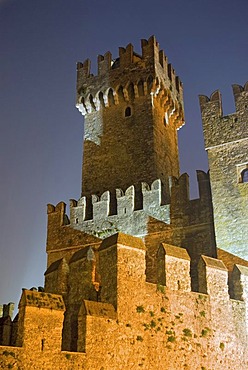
(226, 141)
(134, 278)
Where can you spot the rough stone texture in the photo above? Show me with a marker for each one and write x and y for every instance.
(6, 324)
(62, 240)
(226, 141)
(138, 324)
(177, 272)
(147, 138)
(156, 298)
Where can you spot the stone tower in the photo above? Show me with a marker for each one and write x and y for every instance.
(141, 286)
(226, 141)
(132, 109)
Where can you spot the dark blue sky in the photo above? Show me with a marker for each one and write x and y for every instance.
(41, 130)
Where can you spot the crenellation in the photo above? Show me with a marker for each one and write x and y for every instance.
(179, 196)
(50, 208)
(213, 277)
(203, 186)
(171, 72)
(239, 279)
(150, 48)
(127, 218)
(239, 288)
(232, 127)
(211, 107)
(38, 310)
(126, 56)
(104, 63)
(125, 201)
(78, 210)
(137, 90)
(173, 266)
(241, 100)
(152, 196)
(56, 277)
(121, 268)
(101, 205)
(8, 309)
(84, 68)
(152, 58)
(133, 279)
(226, 141)
(163, 60)
(126, 307)
(238, 90)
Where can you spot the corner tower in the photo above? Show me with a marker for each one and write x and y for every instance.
(226, 141)
(133, 108)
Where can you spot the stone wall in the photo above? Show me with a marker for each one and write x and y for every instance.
(122, 146)
(183, 222)
(226, 141)
(134, 324)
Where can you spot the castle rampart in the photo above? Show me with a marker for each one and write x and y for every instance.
(96, 90)
(226, 141)
(133, 280)
(219, 129)
(169, 321)
(183, 222)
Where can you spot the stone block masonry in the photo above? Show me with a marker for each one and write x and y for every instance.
(226, 141)
(134, 323)
(133, 280)
(132, 111)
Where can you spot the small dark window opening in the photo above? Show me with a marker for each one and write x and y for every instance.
(76, 220)
(244, 175)
(128, 112)
(42, 344)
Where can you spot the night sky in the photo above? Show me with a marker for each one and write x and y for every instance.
(41, 130)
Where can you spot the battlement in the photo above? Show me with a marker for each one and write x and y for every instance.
(129, 77)
(219, 129)
(124, 201)
(41, 300)
(172, 266)
(6, 310)
(129, 310)
(95, 218)
(85, 213)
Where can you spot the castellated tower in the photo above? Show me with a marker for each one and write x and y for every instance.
(134, 279)
(133, 109)
(226, 141)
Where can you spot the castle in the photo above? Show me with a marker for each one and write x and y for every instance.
(140, 276)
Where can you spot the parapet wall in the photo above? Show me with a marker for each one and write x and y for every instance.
(183, 222)
(219, 129)
(128, 76)
(130, 318)
(146, 67)
(96, 216)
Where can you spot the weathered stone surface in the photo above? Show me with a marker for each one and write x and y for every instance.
(132, 278)
(148, 87)
(138, 323)
(226, 141)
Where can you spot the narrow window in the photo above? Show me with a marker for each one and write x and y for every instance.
(76, 220)
(128, 112)
(244, 175)
(42, 344)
